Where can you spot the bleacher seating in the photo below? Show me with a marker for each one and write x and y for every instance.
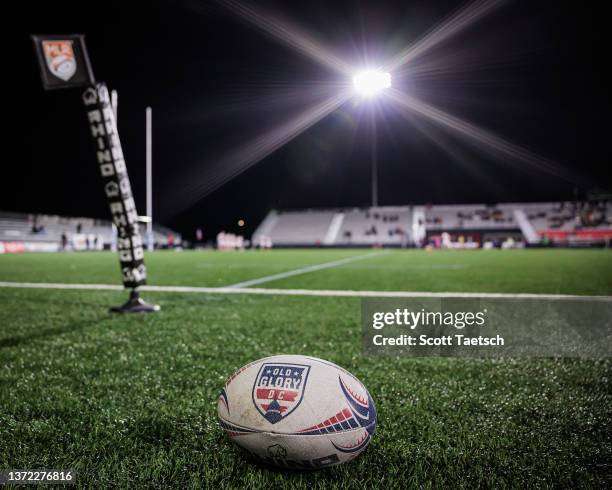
(341, 227)
(371, 226)
(301, 227)
(20, 227)
(469, 217)
(569, 216)
(562, 223)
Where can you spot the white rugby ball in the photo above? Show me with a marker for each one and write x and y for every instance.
(297, 412)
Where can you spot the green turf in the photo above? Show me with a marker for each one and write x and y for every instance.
(201, 268)
(513, 271)
(130, 401)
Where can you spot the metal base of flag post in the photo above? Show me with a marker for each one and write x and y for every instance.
(135, 305)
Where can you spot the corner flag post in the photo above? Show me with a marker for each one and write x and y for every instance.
(64, 63)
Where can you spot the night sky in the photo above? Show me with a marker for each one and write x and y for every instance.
(532, 72)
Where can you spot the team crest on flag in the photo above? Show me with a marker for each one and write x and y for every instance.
(279, 389)
(60, 59)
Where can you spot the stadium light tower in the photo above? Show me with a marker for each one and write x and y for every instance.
(369, 83)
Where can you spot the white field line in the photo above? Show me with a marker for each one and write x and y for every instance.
(305, 292)
(305, 270)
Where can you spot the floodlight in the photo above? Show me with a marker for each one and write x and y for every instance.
(370, 82)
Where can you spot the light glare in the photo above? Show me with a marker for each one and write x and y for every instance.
(370, 82)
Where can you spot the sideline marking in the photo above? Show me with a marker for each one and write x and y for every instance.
(305, 270)
(302, 292)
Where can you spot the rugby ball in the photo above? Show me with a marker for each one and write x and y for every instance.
(297, 412)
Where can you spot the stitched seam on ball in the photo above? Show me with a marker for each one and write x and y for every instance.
(256, 431)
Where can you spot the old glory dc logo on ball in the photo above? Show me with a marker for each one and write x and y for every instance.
(297, 412)
(279, 389)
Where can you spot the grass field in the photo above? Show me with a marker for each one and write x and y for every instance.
(130, 401)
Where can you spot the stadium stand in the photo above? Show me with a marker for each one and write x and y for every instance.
(38, 232)
(342, 227)
(569, 215)
(470, 216)
(455, 226)
(468, 225)
(571, 222)
(295, 228)
(372, 226)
